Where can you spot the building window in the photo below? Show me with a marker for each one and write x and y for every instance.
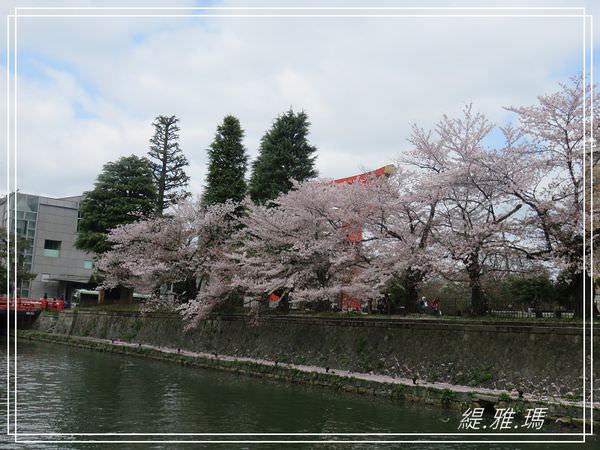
(51, 248)
(45, 277)
(21, 227)
(23, 290)
(87, 264)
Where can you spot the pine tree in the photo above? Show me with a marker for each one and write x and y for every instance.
(167, 163)
(227, 164)
(285, 155)
(123, 193)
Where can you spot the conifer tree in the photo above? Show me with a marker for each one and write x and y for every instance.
(168, 163)
(227, 164)
(123, 193)
(285, 156)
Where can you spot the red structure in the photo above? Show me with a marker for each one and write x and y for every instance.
(349, 303)
(362, 177)
(355, 236)
(29, 306)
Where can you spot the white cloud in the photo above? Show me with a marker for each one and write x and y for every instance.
(362, 82)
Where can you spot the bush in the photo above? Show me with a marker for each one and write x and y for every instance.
(539, 292)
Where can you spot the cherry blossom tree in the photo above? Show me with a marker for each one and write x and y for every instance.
(408, 202)
(401, 212)
(542, 166)
(455, 208)
(594, 222)
(470, 222)
(300, 248)
(180, 250)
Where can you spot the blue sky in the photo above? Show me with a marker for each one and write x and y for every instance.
(89, 88)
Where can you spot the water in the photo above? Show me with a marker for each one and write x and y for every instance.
(63, 389)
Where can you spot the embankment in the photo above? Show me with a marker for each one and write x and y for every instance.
(540, 359)
(449, 396)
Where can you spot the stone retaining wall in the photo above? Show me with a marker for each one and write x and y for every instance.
(559, 412)
(540, 359)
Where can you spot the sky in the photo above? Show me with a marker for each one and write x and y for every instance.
(89, 88)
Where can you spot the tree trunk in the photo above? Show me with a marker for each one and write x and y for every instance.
(163, 172)
(478, 303)
(284, 303)
(580, 302)
(412, 279)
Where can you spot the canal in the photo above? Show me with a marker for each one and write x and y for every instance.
(64, 389)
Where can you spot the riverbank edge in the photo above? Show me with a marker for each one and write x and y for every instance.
(567, 414)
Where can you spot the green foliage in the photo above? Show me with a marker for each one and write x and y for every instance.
(338, 382)
(343, 360)
(453, 295)
(519, 407)
(514, 292)
(539, 291)
(528, 290)
(123, 193)
(447, 397)
(568, 292)
(135, 328)
(481, 375)
(227, 164)
(573, 397)
(361, 344)
(398, 390)
(505, 397)
(167, 163)
(285, 155)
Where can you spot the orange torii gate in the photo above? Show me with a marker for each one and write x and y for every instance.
(355, 236)
(362, 177)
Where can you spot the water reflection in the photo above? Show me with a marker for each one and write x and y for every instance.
(67, 390)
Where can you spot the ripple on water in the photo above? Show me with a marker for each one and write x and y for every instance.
(64, 389)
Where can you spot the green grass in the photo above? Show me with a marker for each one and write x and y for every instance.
(398, 390)
(136, 325)
(447, 397)
(573, 397)
(481, 375)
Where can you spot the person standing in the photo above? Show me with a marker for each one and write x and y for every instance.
(435, 307)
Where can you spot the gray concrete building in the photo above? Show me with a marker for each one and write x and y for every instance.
(50, 225)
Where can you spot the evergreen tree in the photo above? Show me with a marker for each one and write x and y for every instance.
(123, 193)
(227, 163)
(167, 163)
(285, 155)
